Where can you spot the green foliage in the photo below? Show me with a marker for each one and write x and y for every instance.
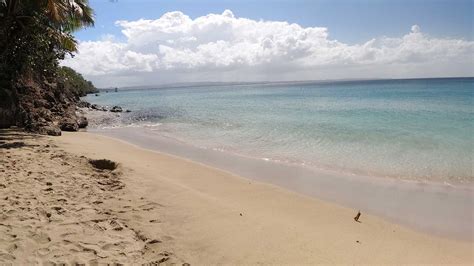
(35, 34)
(74, 82)
(30, 50)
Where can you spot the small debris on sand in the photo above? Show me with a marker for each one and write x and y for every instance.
(356, 218)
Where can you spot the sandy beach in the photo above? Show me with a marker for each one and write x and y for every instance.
(57, 207)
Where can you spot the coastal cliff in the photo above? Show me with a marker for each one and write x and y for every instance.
(45, 106)
(35, 92)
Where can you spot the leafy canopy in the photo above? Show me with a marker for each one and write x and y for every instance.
(35, 34)
(74, 82)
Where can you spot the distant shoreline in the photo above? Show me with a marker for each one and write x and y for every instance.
(296, 82)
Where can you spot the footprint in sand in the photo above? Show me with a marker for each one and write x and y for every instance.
(116, 246)
(99, 228)
(41, 238)
(116, 225)
(43, 251)
(11, 248)
(5, 256)
(149, 206)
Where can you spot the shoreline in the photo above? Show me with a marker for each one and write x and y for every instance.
(406, 202)
(200, 215)
(108, 131)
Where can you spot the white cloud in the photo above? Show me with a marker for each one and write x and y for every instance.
(223, 47)
(415, 29)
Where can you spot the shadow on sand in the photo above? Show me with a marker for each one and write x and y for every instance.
(11, 138)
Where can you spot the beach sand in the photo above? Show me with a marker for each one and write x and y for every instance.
(55, 206)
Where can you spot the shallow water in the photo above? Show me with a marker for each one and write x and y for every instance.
(410, 129)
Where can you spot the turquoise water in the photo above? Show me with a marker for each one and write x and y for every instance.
(411, 129)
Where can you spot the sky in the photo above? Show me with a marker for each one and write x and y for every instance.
(150, 42)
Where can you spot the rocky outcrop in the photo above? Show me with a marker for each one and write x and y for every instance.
(40, 106)
(83, 104)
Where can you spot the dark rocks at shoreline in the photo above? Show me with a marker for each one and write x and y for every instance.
(82, 122)
(116, 109)
(83, 104)
(69, 124)
(50, 130)
(96, 107)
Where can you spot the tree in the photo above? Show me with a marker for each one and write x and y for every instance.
(34, 34)
(74, 82)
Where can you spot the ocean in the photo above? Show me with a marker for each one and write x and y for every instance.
(415, 129)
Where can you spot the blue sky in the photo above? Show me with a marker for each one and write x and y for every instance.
(143, 42)
(349, 21)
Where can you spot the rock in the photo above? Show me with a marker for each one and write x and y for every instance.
(83, 104)
(98, 107)
(82, 122)
(49, 130)
(128, 111)
(69, 124)
(116, 109)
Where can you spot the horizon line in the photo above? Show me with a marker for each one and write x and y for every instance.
(236, 83)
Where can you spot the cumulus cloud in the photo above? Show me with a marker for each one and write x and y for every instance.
(223, 47)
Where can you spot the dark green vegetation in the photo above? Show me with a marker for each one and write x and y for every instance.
(34, 35)
(74, 82)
